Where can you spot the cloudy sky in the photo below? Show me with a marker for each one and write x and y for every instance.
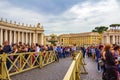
(62, 16)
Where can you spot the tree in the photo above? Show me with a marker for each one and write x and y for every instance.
(115, 26)
(100, 29)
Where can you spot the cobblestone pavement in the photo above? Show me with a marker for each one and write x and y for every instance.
(54, 71)
(91, 67)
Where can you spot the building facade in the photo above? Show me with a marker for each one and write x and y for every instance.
(64, 39)
(15, 33)
(111, 36)
(80, 39)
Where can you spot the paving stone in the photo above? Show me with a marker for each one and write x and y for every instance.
(54, 71)
(93, 73)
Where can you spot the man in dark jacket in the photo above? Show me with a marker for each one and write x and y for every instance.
(7, 49)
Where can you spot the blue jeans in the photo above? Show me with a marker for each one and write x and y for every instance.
(98, 66)
(8, 64)
(60, 54)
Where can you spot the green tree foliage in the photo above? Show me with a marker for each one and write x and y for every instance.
(100, 29)
(115, 25)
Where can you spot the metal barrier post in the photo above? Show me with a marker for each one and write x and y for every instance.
(4, 72)
(31, 59)
(41, 59)
(20, 62)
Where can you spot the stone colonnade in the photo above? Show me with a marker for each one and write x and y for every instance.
(19, 33)
(112, 39)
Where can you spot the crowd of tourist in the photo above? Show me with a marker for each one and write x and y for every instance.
(107, 58)
(61, 51)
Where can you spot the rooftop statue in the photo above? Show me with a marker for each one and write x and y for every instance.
(38, 25)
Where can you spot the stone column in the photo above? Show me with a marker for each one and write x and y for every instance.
(34, 38)
(42, 39)
(18, 36)
(107, 39)
(117, 39)
(1, 36)
(113, 39)
(14, 36)
(26, 38)
(23, 37)
(10, 37)
(30, 38)
(6, 35)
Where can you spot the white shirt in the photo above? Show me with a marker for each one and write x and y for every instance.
(37, 49)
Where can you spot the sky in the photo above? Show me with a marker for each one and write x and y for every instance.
(62, 16)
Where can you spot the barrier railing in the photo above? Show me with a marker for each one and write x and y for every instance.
(75, 68)
(11, 64)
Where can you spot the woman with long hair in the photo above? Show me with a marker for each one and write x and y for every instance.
(110, 72)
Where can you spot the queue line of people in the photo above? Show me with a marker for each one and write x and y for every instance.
(61, 51)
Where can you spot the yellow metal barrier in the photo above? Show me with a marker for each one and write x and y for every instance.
(74, 71)
(11, 64)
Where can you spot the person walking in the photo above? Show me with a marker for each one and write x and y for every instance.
(98, 56)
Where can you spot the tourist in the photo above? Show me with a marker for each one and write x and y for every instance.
(55, 51)
(98, 57)
(88, 52)
(118, 66)
(93, 53)
(83, 51)
(14, 51)
(110, 64)
(14, 57)
(7, 49)
(59, 51)
(37, 53)
(116, 52)
(32, 49)
(63, 52)
(1, 50)
(14, 48)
